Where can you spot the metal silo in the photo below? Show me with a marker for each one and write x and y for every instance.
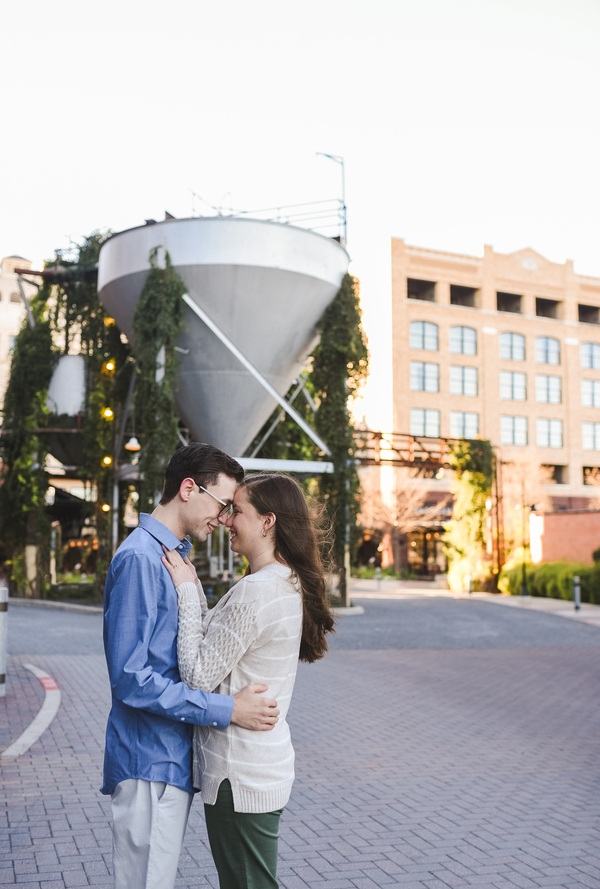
(255, 287)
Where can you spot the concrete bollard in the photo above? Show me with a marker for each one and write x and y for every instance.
(378, 576)
(3, 638)
(577, 593)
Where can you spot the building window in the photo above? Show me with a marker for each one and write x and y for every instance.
(12, 341)
(549, 433)
(424, 335)
(463, 341)
(548, 389)
(512, 346)
(424, 376)
(591, 475)
(591, 436)
(509, 302)
(590, 356)
(425, 422)
(588, 314)
(548, 308)
(513, 385)
(463, 296)
(513, 430)
(463, 380)
(553, 474)
(15, 298)
(547, 350)
(464, 424)
(590, 393)
(420, 289)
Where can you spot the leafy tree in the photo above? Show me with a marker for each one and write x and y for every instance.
(465, 534)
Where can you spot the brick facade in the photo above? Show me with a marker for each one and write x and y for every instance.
(530, 332)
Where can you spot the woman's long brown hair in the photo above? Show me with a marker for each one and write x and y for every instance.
(298, 539)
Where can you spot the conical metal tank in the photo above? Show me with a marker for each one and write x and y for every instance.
(265, 285)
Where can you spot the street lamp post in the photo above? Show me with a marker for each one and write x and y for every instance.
(524, 567)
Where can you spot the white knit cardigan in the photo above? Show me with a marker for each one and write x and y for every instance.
(251, 635)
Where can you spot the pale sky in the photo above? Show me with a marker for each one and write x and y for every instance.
(461, 123)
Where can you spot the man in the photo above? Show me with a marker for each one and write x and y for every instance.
(147, 761)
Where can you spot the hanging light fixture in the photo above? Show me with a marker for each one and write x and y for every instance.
(133, 444)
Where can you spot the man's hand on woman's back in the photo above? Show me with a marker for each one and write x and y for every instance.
(252, 711)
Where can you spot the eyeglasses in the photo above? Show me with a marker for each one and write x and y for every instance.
(227, 507)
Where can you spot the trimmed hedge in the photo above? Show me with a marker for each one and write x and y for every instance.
(552, 580)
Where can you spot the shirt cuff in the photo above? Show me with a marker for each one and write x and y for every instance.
(219, 710)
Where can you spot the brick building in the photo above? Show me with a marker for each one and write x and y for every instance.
(505, 347)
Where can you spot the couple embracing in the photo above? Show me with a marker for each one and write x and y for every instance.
(189, 706)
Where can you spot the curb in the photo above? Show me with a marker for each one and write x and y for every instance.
(43, 718)
(60, 606)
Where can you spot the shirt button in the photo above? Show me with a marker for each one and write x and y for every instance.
(215, 724)
(183, 718)
(180, 547)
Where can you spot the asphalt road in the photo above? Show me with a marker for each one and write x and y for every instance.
(403, 623)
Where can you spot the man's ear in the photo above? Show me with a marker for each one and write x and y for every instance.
(186, 488)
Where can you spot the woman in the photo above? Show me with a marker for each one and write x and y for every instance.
(277, 613)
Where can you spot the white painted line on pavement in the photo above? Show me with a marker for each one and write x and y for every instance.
(45, 715)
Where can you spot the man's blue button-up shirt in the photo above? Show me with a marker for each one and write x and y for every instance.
(149, 731)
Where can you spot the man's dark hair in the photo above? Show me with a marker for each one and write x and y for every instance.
(202, 462)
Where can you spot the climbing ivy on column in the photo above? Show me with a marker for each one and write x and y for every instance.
(465, 534)
(23, 518)
(156, 326)
(89, 331)
(340, 365)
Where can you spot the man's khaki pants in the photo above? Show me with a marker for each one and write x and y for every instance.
(149, 821)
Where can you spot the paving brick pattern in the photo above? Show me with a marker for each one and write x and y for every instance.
(440, 744)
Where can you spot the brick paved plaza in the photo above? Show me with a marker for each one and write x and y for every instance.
(440, 744)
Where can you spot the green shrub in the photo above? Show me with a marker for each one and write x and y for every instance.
(553, 580)
(369, 572)
(83, 592)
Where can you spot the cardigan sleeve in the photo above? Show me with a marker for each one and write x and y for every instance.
(208, 649)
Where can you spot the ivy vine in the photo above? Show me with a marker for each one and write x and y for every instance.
(156, 326)
(340, 366)
(465, 534)
(23, 519)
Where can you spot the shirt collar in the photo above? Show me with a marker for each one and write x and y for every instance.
(164, 536)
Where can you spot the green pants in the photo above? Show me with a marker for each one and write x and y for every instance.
(243, 845)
